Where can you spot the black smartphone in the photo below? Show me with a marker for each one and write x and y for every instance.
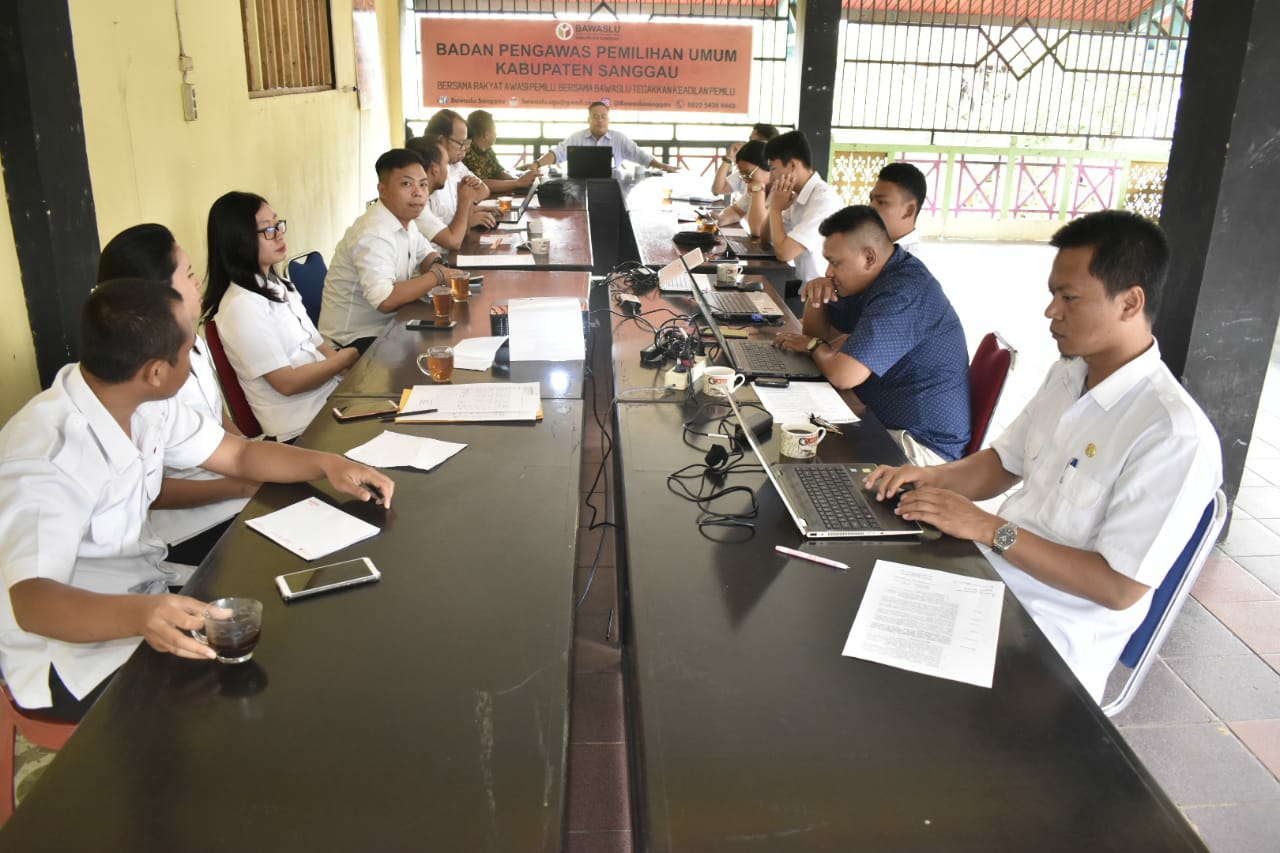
(772, 381)
(430, 325)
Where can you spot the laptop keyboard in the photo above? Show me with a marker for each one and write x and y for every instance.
(733, 303)
(837, 497)
(678, 284)
(758, 358)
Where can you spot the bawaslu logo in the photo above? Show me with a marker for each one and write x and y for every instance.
(564, 31)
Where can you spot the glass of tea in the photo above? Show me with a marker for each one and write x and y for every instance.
(232, 627)
(437, 362)
(442, 300)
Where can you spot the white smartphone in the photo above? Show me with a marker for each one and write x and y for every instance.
(307, 582)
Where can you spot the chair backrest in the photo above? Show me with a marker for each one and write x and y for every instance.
(241, 412)
(307, 272)
(44, 732)
(987, 374)
(1167, 600)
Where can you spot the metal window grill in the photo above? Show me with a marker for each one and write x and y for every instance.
(1108, 69)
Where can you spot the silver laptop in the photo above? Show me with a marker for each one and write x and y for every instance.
(515, 215)
(827, 501)
(675, 276)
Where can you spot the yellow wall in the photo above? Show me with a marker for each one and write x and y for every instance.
(311, 155)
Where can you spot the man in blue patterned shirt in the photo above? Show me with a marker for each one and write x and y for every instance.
(879, 322)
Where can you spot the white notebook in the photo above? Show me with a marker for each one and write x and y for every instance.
(312, 528)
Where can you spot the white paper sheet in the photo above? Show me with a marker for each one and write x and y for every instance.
(481, 401)
(927, 621)
(547, 328)
(734, 231)
(498, 241)
(397, 450)
(312, 528)
(475, 353)
(490, 261)
(799, 400)
(513, 226)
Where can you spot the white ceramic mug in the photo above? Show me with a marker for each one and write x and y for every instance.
(535, 227)
(728, 272)
(800, 440)
(721, 381)
(539, 245)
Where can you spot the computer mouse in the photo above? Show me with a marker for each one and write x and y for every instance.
(754, 286)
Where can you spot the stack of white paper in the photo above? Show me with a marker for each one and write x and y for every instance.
(475, 353)
(312, 528)
(397, 450)
(487, 261)
(546, 328)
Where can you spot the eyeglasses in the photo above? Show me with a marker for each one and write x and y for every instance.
(273, 231)
(749, 175)
(461, 143)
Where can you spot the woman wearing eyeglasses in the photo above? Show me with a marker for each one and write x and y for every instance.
(751, 207)
(285, 367)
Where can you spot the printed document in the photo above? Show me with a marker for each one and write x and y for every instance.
(482, 401)
(547, 328)
(799, 400)
(927, 621)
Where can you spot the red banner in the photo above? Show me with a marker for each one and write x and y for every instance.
(470, 62)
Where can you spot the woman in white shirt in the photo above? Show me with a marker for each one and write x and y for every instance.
(751, 208)
(286, 369)
(194, 506)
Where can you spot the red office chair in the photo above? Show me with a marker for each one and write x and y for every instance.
(990, 368)
(241, 412)
(44, 732)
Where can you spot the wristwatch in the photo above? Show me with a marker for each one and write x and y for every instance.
(755, 188)
(813, 344)
(727, 161)
(1005, 538)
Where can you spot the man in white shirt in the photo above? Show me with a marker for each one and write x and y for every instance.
(446, 236)
(898, 196)
(452, 131)
(598, 134)
(1117, 461)
(382, 262)
(798, 202)
(79, 467)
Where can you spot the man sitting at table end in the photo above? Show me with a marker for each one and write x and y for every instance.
(879, 323)
(79, 466)
(1116, 460)
(598, 134)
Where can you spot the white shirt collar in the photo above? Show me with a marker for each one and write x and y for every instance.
(807, 190)
(1115, 387)
(116, 445)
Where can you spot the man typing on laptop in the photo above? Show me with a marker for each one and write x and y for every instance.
(879, 322)
(1117, 461)
(599, 134)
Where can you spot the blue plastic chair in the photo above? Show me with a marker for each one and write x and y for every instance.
(1140, 652)
(307, 272)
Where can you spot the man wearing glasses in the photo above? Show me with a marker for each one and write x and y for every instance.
(751, 206)
(452, 130)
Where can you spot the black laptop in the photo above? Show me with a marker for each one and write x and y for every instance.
(590, 161)
(750, 248)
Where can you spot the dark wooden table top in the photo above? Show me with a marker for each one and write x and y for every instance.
(568, 231)
(426, 711)
(390, 365)
(753, 732)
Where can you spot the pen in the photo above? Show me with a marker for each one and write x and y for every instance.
(801, 555)
(394, 415)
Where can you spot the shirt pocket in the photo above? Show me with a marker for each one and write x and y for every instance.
(1076, 507)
